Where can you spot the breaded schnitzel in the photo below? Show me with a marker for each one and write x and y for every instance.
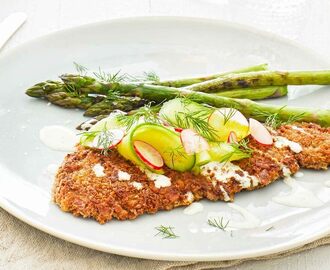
(79, 190)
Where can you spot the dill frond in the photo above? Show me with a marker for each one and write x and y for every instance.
(166, 232)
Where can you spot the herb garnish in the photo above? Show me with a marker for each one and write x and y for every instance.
(105, 139)
(72, 89)
(240, 148)
(148, 113)
(197, 120)
(80, 69)
(227, 115)
(109, 77)
(166, 232)
(274, 120)
(150, 76)
(175, 152)
(218, 223)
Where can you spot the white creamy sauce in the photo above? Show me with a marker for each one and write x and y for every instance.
(137, 185)
(160, 180)
(123, 176)
(58, 138)
(246, 221)
(99, 170)
(190, 196)
(299, 174)
(225, 194)
(298, 197)
(299, 129)
(327, 183)
(224, 171)
(281, 142)
(193, 209)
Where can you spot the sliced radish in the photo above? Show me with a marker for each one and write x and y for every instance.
(148, 155)
(108, 139)
(260, 133)
(177, 129)
(232, 138)
(193, 142)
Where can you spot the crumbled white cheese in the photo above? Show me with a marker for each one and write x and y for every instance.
(137, 185)
(190, 196)
(123, 176)
(224, 171)
(193, 209)
(160, 180)
(225, 194)
(286, 171)
(99, 170)
(299, 129)
(281, 142)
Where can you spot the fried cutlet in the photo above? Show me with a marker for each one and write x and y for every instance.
(315, 142)
(78, 190)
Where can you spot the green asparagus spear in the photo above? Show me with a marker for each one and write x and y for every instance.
(248, 107)
(263, 78)
(89, 85)
(106, 106)
(190, 81)
(86, 84)
(68, 100)
(256, 93)
(42, 89)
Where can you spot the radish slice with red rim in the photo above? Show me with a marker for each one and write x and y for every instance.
(232, 138)
(148, 154)
(260, 133)
(177, 129)
(108, 138)
(193, 142)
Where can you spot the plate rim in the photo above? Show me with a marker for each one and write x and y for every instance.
(138, 253)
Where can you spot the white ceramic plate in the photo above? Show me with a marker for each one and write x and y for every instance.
(171, 47)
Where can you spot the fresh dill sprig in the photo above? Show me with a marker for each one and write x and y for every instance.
(149, 76)
(227, 115)
(80, 69)
(113, 95)
(294, 118)
(243, 145)
(241, 149)
(105, 139)
(197, 120)
(166, 232)
(110, 77)
(148, 113)
(218, 223)
(175, 152)
(72, 89)
(274, 120)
